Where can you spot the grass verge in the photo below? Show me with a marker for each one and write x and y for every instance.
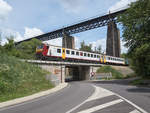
(108, 69)
(141, 82)
(19, 79)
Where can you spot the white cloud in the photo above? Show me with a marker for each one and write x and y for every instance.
(56, 42)
(31, 32)
(5, 9)
(102, 42)
(72, 6)
(122, 4)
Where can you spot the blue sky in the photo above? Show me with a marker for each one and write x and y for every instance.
(27, 18)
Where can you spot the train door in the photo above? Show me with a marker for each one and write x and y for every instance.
(104, 59)
(63, 53)
(101, 59)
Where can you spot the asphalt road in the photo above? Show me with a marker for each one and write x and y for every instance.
(59, 102)
(89, 97)
(138, 95)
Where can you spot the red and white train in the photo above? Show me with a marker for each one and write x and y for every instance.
(50, 52)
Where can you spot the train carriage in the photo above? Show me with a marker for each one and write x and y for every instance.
(51, 52)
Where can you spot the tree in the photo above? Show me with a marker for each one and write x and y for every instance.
(28, 49)
(99, 49)
(0, 43)
(85, 47)
(136, 34)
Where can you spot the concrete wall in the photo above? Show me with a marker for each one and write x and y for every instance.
(57, 73)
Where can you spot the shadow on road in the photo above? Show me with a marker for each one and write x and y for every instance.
(125, 82)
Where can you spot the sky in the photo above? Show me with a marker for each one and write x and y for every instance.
(27, 18)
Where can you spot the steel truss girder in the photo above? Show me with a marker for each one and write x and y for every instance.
(80, 27)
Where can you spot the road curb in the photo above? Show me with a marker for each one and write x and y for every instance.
(34, 96)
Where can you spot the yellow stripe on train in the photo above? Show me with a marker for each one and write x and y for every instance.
(63, 53)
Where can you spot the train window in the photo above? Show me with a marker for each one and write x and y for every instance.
(88, 55)
(81, 54)
(77, 53)
(94, 56)
(68, 51)
(72, 52)
(98, 56)
(84, 54)
(91, 55)
(58, 50)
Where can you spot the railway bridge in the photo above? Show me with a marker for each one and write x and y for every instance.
(108, 19)
(61, 70)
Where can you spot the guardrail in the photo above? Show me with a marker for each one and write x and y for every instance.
(103, 75)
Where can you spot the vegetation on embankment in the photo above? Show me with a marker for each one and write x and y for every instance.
(18, 79)
(141, 81)
(108, 69)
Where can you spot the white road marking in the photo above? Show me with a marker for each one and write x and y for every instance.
(137, 107)
(131, 103)
(99, 107)
(98, 93)
(135, 111)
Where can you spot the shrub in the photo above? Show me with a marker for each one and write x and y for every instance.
(108, 69)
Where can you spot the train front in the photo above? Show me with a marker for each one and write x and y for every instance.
(41, 51)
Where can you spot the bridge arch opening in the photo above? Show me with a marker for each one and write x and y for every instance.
(77, 73)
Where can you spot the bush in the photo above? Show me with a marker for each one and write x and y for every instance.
(108, 69)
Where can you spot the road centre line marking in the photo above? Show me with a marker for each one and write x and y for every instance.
(135, 111)
(99, 107)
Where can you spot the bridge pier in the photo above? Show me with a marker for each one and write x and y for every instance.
(113, 40)
(68, 41)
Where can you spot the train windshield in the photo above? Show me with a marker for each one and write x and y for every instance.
(40, 47)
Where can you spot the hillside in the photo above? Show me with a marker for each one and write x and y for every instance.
(18, 79)
(125, 70)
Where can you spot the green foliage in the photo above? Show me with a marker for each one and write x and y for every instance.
(85, 47)
(19, 78)
(99, 49)
(136, 34)
(108, 69)
(27, 49)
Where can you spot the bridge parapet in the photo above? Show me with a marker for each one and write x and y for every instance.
(62, 63)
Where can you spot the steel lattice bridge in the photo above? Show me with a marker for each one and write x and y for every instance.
(79, 27)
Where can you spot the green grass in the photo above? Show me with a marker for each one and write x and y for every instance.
(19, 79)
(141, 81)
(108, 69)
